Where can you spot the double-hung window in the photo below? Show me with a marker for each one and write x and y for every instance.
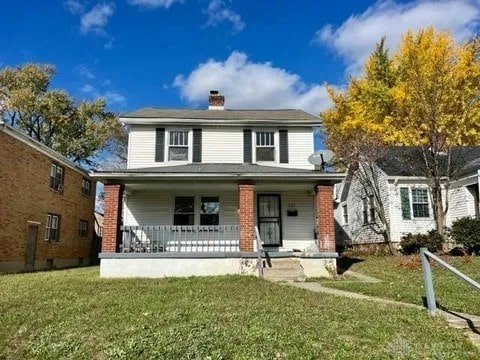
(52, 228)
(371, 199)
(209, 210)
(178, 145)
(265, 146)
(191, 210)
(365, 210)
(184, 210)
(83, 229)
(86, 187)
(56, 177)
(414, 202)
(345, 214)
(420, 203)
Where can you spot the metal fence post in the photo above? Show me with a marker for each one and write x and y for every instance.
(428, 282)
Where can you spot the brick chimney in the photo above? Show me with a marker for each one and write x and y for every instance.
(216, 101)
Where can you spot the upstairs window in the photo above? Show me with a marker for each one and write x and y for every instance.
(56, 177)
(86, 187)
(178, 145)
(83, 229)
(420, 203)
(52, 228)
(265, 146)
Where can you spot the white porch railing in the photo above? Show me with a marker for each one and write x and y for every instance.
(172, 238)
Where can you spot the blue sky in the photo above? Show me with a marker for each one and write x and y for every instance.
(169, 53)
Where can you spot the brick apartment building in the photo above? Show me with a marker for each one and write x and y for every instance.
(46, 206)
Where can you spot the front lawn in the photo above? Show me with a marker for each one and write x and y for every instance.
(73, 314)
(403, 281)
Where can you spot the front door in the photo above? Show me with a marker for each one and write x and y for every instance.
(31, 247)
(269, 219)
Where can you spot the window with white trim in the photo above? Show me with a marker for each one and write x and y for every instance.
(184, 210)
(52, 228)
(345, 214)
(265, 146)
(420, 203)
(365, 210)
(209, 210)
(56, 177)
(371, 199)
(178, 145)
(194, 210)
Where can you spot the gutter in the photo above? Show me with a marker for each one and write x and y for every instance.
(223, 122)
(188, 176)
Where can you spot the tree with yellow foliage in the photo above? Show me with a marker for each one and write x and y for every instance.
(426, 96)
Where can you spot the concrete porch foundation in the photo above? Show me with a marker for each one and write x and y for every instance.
(145, 265)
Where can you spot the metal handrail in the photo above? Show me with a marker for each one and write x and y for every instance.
(260, 252)
(427, 277)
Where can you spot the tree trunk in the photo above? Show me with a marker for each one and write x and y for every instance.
(439, 214)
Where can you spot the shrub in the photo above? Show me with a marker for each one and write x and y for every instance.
(466, 231)
(411, 243)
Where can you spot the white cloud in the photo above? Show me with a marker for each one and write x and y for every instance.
(153, 3)
(96, 18)
(218, 12)
(355, 38)
(84, 71)
(247, 84)
(110, 96)
(87, 88)
(113, 97)
(74, 6)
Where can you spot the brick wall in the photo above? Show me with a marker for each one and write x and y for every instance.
(112, 217)
(246, 219)
(325, 220)
(26, 196)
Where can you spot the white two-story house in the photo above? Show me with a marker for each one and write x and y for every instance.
(199, 183)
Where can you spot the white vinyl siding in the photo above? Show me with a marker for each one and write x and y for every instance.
(141, 147)
(222, 145)
(300, 147)
(298, 231)
(356, 231)
(156, 207)
(219, 145)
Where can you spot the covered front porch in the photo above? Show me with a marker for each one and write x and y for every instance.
(205, 225)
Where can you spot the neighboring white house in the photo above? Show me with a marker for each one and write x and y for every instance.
(197, 184)
(406, 198)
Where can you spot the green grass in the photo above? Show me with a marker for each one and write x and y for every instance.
(403, 281)
(73, 314)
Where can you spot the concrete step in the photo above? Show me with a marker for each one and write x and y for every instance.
(283, 269)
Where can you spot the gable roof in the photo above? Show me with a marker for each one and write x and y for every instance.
(401, 160)
(156, 115)
(42, 148)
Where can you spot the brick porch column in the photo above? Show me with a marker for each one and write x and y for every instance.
(325, 220)
(112, 217)
(246, 222)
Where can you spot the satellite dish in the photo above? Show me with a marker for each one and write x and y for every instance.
(320, 157)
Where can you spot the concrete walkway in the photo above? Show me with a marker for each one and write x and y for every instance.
(470, 324)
